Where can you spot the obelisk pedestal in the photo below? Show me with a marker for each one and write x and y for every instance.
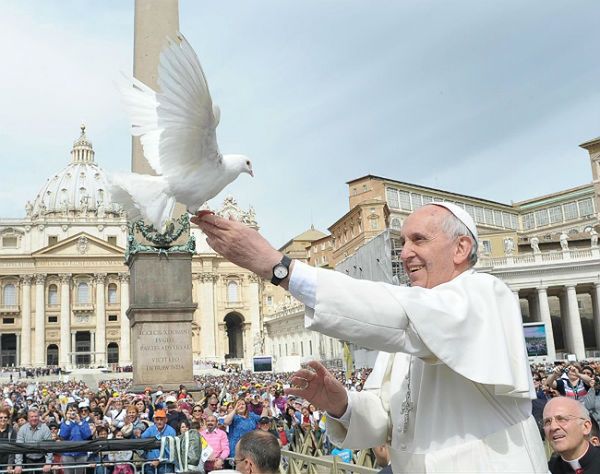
(160, 315)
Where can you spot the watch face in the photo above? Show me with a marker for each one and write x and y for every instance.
(280, 271)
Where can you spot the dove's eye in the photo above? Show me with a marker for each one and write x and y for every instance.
(248, 162)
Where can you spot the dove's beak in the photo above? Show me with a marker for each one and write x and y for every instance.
(251, 173)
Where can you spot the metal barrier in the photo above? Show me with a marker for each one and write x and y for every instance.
(298, 463)
(37, 467)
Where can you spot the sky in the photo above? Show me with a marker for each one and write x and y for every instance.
(484, 98)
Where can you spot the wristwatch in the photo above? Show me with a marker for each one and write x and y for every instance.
(281, 270)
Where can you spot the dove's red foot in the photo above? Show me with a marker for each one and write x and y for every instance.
(204, 212)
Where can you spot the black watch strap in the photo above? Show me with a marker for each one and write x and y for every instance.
(285, 262)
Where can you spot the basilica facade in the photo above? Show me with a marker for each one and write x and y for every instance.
(64, 285)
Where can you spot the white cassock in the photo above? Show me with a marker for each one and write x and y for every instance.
(470, 381)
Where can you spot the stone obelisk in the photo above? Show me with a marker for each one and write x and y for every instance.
(161, 308)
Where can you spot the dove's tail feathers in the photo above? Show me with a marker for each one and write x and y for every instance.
(143, 196)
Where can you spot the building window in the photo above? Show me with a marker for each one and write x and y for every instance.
(52, 295)
(310, 350)
(9, 242)
(417, 201)
(8, 320)
(514, 221)
(586, 208)
(541, 217)
(269, 301)
(570, 211)
(404, 200)
(9, 295)
(556, 214)
(302, 348)
(83, 293)
(479, 215)
(396, 223)
(112, 293)
(487, 246)
(498, 218)
(392, 198)
(232, 292)
(528, 221)
(286, 349)
(470, 210)
(489, 216)
(112, 353)
(427, 199)
(112, 239)
(52, 319)
(113, 318)
(52, 239)
(279, 350)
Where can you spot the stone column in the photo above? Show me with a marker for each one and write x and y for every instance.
(100, 318)
(65, 319)
(257, 339)
(125, 345)
(93, 357)
(596, 310)
(26, 321)
(18, 354)
(154, 21)
(544, 308)
(516, 294)
(564, 320)
(574, 322)
(73, 357)
(40, 319)
(206, 302)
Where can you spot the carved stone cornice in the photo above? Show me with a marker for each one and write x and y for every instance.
(207, 277)
(40, 278)
(100, 277)
(253, 277)
(65, 278)
(26, 279)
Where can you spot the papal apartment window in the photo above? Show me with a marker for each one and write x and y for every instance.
(9, 295)
(487, 246)
(112, 293)
(9, 242)
(52, 295)
(392, 198)
(83, 293)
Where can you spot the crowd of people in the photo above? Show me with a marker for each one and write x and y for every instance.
(213, 416)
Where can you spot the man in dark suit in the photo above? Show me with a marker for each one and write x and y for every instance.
(567, 426)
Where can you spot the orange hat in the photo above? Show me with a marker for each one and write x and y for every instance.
(160, 414)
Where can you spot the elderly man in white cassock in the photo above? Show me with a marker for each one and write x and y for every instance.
(454, 394)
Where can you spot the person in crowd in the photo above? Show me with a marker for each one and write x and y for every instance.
(282, 435)
(159, 429)
(594, 436)
(174, 414)
(198, 414)
(191, 444)
(217, 440)
(145, 410)
(98, 459)
(456, 429)
(134, 426)
(212, 406)
(73, 428)
(115, 411)
(567, 425)
(569, 381)
(257, 452)
(32, 432)
(241, 421)
(592, 400)
(120, 458)
(7, 434)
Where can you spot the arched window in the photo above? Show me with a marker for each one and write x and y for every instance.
(112, 293)
(9, 295)
(52, 295)
(396, 223)
(83, 293)
(112, 353)
(52, 355)
(232, 292)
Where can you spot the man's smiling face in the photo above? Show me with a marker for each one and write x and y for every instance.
(429, 255)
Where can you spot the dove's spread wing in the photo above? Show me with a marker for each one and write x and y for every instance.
(185, 113)
(178, 124)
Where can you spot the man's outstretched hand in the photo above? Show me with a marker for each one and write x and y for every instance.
(238, 243)
(317, 385)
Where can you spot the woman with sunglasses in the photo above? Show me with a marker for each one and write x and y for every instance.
(198, 414)
(7, 434)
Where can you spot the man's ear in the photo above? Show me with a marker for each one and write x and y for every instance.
(463, 249)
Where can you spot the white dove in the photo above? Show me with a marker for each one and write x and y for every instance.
(177, 127)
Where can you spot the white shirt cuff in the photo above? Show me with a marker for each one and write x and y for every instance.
(345, 418)
(303, 283)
